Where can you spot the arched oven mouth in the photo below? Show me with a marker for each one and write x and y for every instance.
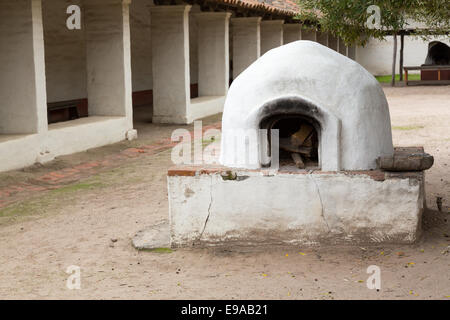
(299, 138)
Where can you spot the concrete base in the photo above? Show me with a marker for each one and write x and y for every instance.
(18, 151)
(206, 106)
(219, 205)
(198, 108)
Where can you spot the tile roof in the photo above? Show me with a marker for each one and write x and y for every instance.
(283, 7)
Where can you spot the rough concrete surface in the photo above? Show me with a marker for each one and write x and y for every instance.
(294, 207)
(153, 237)
(75, 224)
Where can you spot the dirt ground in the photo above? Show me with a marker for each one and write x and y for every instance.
(90, 224)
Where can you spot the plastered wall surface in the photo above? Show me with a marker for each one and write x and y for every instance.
(376, 56)
(65, 50)
(305, 209)
(65, 53)
(326, 79)
(141, 45)
(22, 68)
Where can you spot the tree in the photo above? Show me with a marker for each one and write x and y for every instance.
(352, 20)
(434, 14)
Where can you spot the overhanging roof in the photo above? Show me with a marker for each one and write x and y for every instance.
(282, 7)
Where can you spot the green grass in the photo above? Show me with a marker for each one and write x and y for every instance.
(158, 250)
(22, 209)
(405, 128)
(45, 203)
(77, 187)
(387, 79)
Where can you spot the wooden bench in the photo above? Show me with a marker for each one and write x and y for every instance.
(438, 68)
(71, 106)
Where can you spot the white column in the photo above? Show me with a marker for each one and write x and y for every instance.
(213, 53)
(332, 42)
(108, 58)
(342, 48)
(22, 68)
(292, 32)
(170, 61)
(271, 34)
(309, 34)
(322, 38)
(246, 42)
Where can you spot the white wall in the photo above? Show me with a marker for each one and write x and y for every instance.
(65, 50)
(108, 59)
(141, 45)
(213, 53)
(193, 47)
(22, 69)
(376, 56)
(65, 53)
(170, 51)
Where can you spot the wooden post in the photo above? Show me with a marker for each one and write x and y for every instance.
(298, 160)
(402, 45)
(394, 60)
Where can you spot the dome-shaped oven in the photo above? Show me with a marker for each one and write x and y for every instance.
(307, 89)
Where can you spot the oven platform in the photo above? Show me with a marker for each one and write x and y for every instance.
(224, 206)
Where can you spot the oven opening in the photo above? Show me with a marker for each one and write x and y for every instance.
(299, 141)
